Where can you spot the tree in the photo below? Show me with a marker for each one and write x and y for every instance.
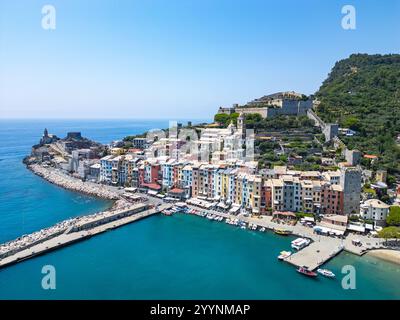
(225, 119)
(368, 102)
(221, 118)
(233, 118)
(351, 122)
(389, 233)
(393, 218)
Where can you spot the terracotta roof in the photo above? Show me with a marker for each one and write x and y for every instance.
(153, 186)
(370, 156)
(176, 190)
(284, 213)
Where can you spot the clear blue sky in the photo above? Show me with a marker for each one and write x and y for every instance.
(175, 58)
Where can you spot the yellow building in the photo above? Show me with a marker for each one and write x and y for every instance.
(255, 184)
(117, 151)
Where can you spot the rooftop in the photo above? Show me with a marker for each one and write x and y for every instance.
(376, 203)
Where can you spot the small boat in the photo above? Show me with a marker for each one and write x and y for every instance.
(300, 243)
(284, 255)
(306, 272)
(282, 232)
(262, 229)
(167, 212)
(326, 273)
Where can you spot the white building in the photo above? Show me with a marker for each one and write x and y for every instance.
(374, 209)
(332, 176)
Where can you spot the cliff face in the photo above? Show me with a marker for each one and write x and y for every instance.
(362, 93)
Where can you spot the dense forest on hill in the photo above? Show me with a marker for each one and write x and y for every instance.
(362, 93)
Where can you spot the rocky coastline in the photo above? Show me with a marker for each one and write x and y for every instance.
(65, 181)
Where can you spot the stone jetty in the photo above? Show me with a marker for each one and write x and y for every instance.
(71, 231)
(63, 180)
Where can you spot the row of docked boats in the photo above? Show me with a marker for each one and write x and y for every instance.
(215, 217)
(244, 225)
(178, 207)
(252, 226)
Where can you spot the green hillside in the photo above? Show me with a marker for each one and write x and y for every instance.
(362, 92)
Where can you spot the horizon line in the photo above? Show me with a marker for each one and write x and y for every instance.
(102, 118)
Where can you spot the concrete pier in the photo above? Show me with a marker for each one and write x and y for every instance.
(315, 254)
(70, 236)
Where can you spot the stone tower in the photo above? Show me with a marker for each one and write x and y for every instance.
(241, 126)
(350, 181)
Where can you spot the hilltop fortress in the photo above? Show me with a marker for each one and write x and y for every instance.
(280, 103)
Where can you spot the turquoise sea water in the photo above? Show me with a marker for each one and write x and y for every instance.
(183, 257)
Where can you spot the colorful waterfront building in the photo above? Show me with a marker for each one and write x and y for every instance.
(332, 199)
(291, 193)
(106, 169)
(168, 173)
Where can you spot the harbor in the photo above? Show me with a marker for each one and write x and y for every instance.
(315, 252)
(321, 232)
(319, 250)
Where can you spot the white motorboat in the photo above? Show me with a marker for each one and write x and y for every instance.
(326, 273)
(284, 255)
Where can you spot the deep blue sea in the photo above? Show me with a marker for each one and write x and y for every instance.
(179, 257)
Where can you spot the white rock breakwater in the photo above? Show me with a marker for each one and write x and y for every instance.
(61, 179)
(29, 240)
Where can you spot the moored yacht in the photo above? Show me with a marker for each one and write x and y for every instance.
(326, 273)
(300, 243)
